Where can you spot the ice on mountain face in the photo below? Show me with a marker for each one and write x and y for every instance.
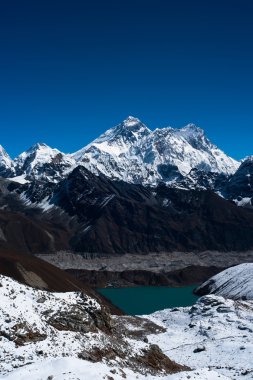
(235, 283)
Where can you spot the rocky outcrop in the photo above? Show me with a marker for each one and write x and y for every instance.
(91, 214)
(121, 218)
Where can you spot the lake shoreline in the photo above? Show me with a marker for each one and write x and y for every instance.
(173, 269)
(145, 300)
(189, 276)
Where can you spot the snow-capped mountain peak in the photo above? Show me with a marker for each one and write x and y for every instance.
(37, 153)
(129, 130)
(131, 121)
(40, 160)
(38, 146)
(115, 141)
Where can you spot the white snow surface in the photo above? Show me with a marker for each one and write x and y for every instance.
(235, 282)
(76, 369)
(220, 329)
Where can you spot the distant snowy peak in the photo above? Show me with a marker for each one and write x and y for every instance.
(133, 153)
(130, 152)
(38, 152)
(187, 148)
(129, 131)
(116, 140)
(40, 160)
(248, 159)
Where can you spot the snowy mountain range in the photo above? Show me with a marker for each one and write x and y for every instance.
(133, 153)
(130, 152)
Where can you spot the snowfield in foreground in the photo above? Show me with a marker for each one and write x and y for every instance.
(76, 369)
(215, 333)
(70, 336)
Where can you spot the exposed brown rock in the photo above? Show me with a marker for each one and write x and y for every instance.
(156, 360)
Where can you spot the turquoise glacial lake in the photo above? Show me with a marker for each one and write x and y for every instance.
(148, 299)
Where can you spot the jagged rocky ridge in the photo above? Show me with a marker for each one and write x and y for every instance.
(89, 213)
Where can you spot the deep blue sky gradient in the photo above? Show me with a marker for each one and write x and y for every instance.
(69, 70)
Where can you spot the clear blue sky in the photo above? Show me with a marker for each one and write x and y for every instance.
(71, 69)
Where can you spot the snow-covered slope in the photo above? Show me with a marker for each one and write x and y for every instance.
(214, 333)
(76, 369)
(235, 282)
(131, 152)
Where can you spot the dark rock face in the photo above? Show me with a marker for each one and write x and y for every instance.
(240, 184)
(202, 180)
(103, 216)
(119, 217)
